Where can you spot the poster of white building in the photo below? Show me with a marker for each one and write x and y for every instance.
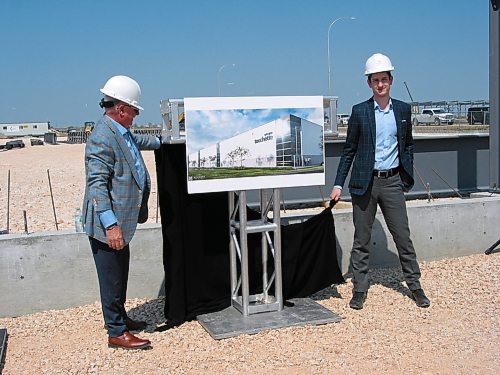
(246, 143)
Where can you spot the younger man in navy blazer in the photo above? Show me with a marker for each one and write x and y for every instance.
(379, 146)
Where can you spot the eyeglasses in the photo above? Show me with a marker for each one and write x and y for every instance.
(136, 111)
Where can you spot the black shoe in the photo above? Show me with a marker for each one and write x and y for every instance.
(420, 298)
(357, 301)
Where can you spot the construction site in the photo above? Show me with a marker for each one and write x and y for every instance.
(51, 317)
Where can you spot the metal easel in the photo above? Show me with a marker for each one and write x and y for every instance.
(250, 314)
(241, 299)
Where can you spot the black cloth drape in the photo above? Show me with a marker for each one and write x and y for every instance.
(195, 231)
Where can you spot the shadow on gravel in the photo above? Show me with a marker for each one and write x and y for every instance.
(391, 278)
(151, 312)
(330, 292)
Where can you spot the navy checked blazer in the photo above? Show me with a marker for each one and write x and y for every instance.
(112, 182)
(359, 149)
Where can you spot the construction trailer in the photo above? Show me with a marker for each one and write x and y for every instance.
(21, 129)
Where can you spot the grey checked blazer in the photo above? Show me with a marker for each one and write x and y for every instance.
(112, 181)
(359, 149)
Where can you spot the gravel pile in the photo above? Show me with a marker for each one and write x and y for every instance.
(458, 334)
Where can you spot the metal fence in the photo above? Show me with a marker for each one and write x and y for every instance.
(459, 108)
(80, 136)
(150, 131)
(75, 136)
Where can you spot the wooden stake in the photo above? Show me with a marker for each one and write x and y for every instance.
(52, 197)
(157, 204)
(8, 200)
(25, 222)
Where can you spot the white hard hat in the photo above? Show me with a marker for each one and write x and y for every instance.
(378, 63)
(124, 89)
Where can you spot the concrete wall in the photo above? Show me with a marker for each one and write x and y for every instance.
(55, 270)
(44, 271)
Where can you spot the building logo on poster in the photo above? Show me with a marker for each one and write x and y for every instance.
(266, 137)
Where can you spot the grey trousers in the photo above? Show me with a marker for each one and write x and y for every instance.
(388, 194)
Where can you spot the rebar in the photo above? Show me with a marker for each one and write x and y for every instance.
(427, 186)
(451, 187)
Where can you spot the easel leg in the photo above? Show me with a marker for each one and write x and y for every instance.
(492, 247)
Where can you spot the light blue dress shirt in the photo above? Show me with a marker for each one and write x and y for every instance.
(108, 217)
(386, 141)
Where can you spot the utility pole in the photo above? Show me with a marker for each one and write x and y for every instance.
(494, 96)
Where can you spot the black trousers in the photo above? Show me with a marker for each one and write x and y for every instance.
(112, 271)
(388, 194)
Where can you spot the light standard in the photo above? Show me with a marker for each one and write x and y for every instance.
(328, 48)
(218, 74)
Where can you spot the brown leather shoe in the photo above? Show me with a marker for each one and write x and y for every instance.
(128, 341)
(135, 325)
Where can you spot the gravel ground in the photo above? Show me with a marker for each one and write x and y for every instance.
(458, 334)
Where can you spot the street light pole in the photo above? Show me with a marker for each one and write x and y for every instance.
(218, 75)
(328, 49)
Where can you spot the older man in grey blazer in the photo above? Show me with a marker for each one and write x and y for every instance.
(379, 146)
(116, 197)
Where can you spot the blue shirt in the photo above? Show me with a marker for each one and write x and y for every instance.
(386, 141)
(108, 217)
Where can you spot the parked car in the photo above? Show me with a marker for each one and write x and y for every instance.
(36, 142)
(343, 119)
(480, 114)
(435, 116)
(13, 144)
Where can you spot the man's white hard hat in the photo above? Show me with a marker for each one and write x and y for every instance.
(378, 63)
(124, 89)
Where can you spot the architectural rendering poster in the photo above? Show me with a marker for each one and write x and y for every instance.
(247, 143)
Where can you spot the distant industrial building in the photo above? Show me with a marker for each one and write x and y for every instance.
(289, 141)
(20, 129)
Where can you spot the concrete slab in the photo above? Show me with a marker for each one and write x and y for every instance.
(230, 322)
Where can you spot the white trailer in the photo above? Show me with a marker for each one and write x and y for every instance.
(21, 129)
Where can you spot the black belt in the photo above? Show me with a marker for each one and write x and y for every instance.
(386, 173)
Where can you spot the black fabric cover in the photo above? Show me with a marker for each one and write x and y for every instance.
(195, 231)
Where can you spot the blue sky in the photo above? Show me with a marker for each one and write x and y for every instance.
(55, 55)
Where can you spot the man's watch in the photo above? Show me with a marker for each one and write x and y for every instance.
(111, 226)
